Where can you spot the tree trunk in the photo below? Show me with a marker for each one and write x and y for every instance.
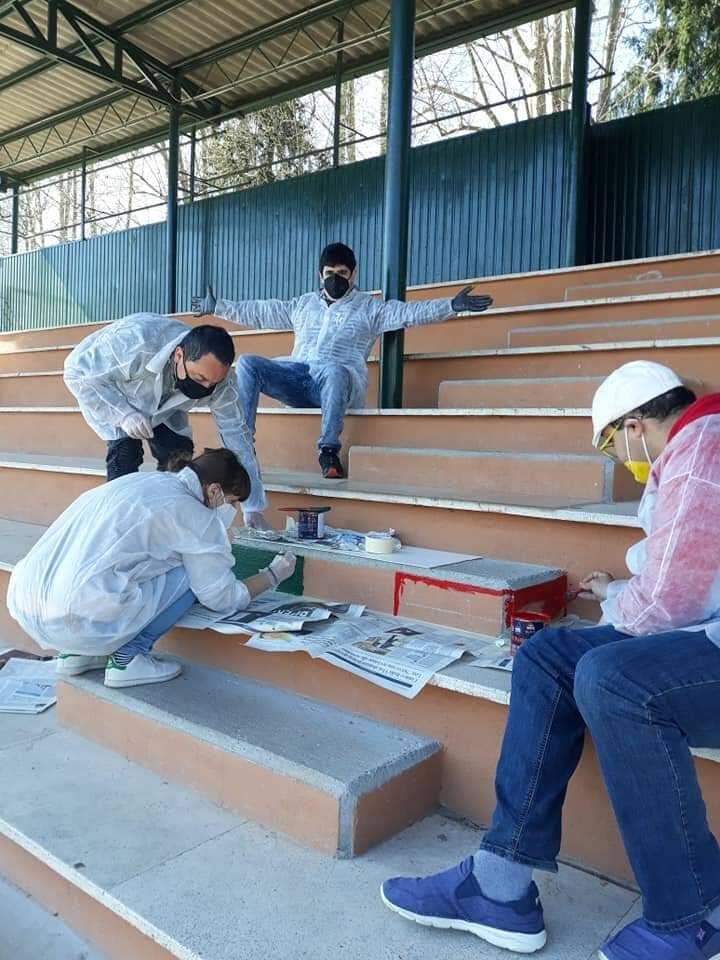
(612, 33)
(539, 76)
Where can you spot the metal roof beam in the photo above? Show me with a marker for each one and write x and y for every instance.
(482, 27)
(160, 78)
(145, 15)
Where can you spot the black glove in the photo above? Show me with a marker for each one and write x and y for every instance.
(203, 306)
(462, 301)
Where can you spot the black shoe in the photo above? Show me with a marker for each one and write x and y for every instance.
(330, 464)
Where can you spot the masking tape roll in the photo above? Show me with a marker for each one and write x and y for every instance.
(379, 544)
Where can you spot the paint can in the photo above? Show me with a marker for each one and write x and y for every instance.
(310, 521)
(525, 625)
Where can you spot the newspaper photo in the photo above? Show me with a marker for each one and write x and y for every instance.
(272, 612)
(27, 686)
(399, 656)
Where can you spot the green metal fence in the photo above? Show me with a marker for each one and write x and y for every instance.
(488, 203)
(654, 183)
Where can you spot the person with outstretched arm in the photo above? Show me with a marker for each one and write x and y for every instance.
(335, 328)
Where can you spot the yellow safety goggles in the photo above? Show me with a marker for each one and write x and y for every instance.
(607, 447)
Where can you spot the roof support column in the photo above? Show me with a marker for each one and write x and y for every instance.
(338, 96)
(83, 194)
(172, 209)
(397, 190)
(579, 123)
(15, 219)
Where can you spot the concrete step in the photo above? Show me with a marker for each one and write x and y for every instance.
(546, 531)
(331, 780)
(680, 314)
(638, 278)
(462, 592)
(27, 931)
(567, 392)
(693, 359)
(515, 477)
(615, 331)
(462, 708)
(163, 874)
(34, 359)
(287, 439)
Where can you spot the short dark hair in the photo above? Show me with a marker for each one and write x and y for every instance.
(209, 338)
(664, 406)
(215, 466)
(336, 255)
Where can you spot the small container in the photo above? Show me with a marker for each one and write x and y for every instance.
(525, 625)
(310, 521)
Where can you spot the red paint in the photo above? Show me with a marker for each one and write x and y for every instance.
(549, 596)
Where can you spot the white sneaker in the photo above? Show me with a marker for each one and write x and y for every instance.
(142, 669)
(73, 664)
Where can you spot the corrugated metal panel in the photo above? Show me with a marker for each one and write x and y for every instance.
(654, 183)
(488, 203)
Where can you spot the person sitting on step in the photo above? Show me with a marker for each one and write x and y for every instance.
(335, 329)
(645, 682)
(127, 560)
(137, 378)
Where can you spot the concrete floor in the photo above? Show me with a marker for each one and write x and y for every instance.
(27, 932)
(228, 888)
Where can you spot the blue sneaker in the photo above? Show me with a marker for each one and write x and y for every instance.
(452, 900)
(637, 941)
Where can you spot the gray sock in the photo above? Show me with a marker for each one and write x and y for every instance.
(500, 879)
(713, 918)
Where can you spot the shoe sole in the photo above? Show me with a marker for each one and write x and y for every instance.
(507, 939)
(333, 475)
(119, 684)
(78, 671)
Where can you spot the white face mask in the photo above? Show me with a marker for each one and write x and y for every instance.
(226, 514)
(224, 511)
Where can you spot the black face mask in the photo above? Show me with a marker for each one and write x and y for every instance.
(336, 286)
(191, 388)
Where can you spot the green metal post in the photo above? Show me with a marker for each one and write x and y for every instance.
(338, 96)
(579, 122)
(397, 190)
(15, 221)
(172, 209)
(83, 194)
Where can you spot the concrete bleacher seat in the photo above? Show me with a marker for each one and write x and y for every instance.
(490, 457)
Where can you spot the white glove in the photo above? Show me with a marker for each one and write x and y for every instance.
(137, 426)
(256, 521)
(282, 567)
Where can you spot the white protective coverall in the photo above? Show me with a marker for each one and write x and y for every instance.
(93, 580)
(676, 568)
(122, 368)
(342, 332)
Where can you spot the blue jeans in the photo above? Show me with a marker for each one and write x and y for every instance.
(176, 599)
(292, 384)
(646, 701)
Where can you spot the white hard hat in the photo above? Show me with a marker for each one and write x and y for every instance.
(628, 388)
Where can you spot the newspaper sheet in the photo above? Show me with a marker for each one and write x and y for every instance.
(271, 612)
(27, 686)
(401, 656)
